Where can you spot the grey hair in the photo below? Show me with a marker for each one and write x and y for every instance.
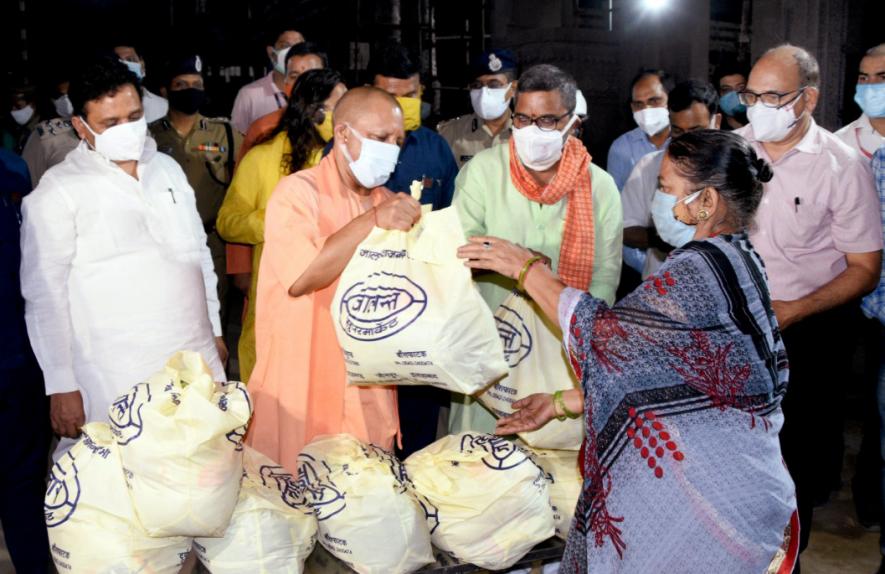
(809, 70)
(876, 51)
(546, 78)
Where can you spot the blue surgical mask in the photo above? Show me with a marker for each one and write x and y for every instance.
(669, 228)
(135, 68)
(731, 104)
(871, 99)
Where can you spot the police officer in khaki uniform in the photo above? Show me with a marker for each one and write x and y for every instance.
(205, 148)
(48, 145)
(494, 84)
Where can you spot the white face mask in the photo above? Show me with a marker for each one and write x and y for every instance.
(123, 142)
(63, 106)
(135, 68)
(279, 61)
(376, 162)
(538, 149)
(23, 115)
(652, 120)
(668, 226)
(490, 103)
(772, 124)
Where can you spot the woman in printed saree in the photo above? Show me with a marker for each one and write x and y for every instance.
(682, 383)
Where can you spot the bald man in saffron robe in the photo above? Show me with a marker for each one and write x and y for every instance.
(314, 222)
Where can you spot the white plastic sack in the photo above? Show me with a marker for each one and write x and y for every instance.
(180, 437)
(272, 530)
(491, 498)
(406, 311)
(367, 516)
(538, 364)
(89, 516)
(562, 470)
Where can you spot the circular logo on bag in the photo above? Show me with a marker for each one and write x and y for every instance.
(125, 413)
(62, 494)
(502, 454)
(514, 335)
(381, 306)
(321, 494)
(291, 493)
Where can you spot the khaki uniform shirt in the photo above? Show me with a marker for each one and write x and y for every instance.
(48, 145)
(468, 135)
(206, 155)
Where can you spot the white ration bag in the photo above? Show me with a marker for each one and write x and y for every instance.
(180, 437)
(491, 498)
(367, 516)
(272, 530)
(562, 470)
(538, 364)
(406, 311)
(89, 516)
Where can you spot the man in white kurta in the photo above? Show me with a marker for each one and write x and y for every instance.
(116, 276)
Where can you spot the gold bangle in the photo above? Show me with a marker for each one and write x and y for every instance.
(559, 400)
(525, 269)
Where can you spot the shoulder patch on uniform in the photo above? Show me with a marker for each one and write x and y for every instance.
(53, 127)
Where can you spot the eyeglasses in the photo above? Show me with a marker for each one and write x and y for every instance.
(544, 123)
(769, 99)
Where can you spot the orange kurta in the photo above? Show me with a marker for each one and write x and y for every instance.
(299, 383)
(259, 131)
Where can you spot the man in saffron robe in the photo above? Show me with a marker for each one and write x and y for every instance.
(314, 221)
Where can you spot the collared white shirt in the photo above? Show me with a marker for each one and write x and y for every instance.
(116, 275)
(155, 107)
(636, 200)
(255, 100)
(861, 135)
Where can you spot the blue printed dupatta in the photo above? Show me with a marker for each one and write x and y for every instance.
(682, 381)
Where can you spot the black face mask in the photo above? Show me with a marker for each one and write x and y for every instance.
(187, 101)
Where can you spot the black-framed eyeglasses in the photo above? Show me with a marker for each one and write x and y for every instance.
(544, 123)
(769, 99)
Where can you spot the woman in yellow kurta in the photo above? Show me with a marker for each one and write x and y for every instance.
(297, 143)
(316, 218)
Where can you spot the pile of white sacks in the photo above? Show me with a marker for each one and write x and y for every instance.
(169, 473)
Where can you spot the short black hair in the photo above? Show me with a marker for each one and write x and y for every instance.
(666, 79)
(104, 76)
(730, 66)
(547, 78)
(690, 91)
(305, 48)
(275, 31)
(394, 60)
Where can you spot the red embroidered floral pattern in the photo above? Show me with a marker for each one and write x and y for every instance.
(606, 330)
(706, 368)
(651, 438)
(660, 283)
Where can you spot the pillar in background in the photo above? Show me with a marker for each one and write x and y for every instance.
(819, 26)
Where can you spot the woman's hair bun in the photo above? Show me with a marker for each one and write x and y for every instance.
(762, 172)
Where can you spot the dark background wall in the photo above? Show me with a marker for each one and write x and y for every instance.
(602, 42)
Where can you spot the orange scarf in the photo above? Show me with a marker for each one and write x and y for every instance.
(576, 251)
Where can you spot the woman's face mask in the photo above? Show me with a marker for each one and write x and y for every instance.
(668, 225)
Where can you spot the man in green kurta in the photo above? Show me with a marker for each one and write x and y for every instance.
(490, 204)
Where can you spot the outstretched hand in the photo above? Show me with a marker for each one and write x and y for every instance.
(495, 254)
(531, 413)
